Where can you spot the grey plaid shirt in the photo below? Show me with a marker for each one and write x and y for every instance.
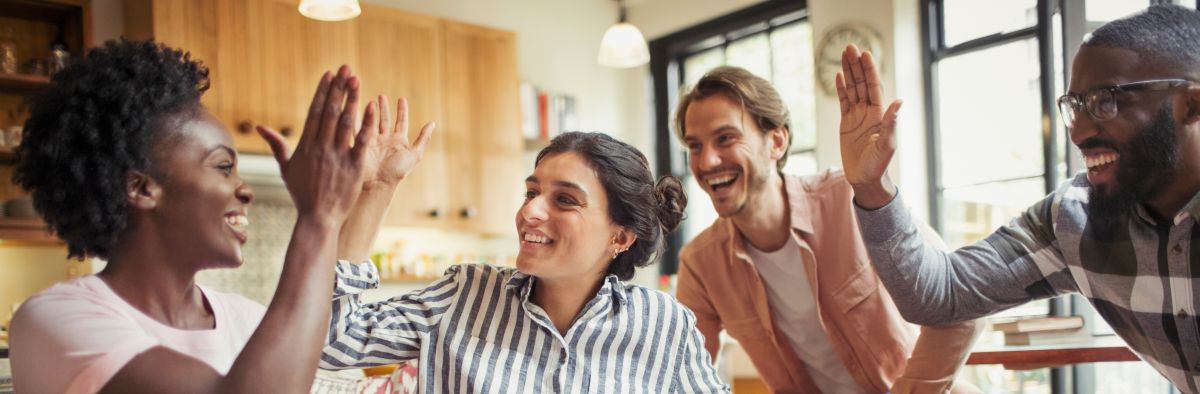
(1141, 281)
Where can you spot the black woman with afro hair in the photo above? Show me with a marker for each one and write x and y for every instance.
(125, 164)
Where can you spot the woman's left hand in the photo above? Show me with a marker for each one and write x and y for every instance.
(391, 157)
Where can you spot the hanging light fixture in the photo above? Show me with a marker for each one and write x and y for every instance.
(330, 10)
(623, 45)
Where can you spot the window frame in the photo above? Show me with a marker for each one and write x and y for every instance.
(666, 73)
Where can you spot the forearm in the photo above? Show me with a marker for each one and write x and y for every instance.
(282, 354)
(934, 287)
(362, 226)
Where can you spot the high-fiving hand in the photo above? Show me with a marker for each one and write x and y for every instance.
(868, 133)
(391, 158)
(325, 173)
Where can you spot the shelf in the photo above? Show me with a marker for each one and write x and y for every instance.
(23, 83)
(32, 230)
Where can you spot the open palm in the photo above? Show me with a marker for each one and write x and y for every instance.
(392, 157)
(868, 133)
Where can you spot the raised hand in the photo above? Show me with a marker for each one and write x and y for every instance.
(391, 157)
(325, 173)
(868, 133)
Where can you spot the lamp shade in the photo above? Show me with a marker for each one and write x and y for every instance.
(623, 46)
(330, 10)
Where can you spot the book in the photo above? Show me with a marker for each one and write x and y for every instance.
(1046, 337)
(1037, 324)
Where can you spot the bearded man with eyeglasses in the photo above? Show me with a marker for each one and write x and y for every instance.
(1124, 233)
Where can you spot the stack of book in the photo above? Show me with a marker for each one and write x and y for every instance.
(1047, 330)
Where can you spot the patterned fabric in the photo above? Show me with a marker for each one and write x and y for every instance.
(1140, 276)
(476, 330)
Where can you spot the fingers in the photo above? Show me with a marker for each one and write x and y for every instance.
(385, 115)
(348, 119)
(888, 132)
(873, 85)
(843, 101)
(402, 118)
(367, 135)
(331, 111)
(278, 145)
(859, 78)
(849, 56)
(423, 138)
(371, 118)
(313, 121)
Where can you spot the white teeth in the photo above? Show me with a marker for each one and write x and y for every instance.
(721, 180)
(536, 238)
(237, 220)
(1101, 159)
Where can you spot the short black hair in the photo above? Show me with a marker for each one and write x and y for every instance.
(1164, 34)
(648, 208)
(98, 120)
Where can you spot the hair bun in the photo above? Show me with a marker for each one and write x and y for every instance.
(668, 193)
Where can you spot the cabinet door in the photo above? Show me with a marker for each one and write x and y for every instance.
(483, 127)
(223, 35)
(400, 56)
(292, 52)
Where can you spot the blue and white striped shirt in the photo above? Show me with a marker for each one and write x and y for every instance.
(476, 330)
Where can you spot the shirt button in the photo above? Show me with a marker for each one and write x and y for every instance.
(1181, 314)
(1177, 249)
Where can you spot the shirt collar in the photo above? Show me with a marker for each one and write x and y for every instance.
(1191, 209)
(523, 283)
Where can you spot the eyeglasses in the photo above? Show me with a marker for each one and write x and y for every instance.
(1101, 103)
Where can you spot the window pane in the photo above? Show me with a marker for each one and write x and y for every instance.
(989, 113)
(699, 212)
(752, 53)
(996, 379)
(1132, 377)
(1107, 10)
(966, 20)
(793, 65)
(801, 164)
(972, 213)
(696, 65)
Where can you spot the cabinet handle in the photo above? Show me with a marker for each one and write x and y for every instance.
(286, 131)
(435, 213)
(467, 213)
(245, 127)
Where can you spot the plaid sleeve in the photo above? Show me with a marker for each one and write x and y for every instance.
(1016, 264)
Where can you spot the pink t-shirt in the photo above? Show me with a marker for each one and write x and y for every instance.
(74, 336)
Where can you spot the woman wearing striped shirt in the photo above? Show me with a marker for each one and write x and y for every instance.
(563, 321)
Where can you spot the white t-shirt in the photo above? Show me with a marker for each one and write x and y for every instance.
(74, 336)
(790, 296)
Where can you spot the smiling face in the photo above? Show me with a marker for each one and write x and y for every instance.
(1133, 156)
(202, 207)
(564, 226)
(731, 157)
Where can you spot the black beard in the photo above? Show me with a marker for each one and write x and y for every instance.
(1146, 167)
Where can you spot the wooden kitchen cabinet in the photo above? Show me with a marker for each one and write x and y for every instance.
(399, 54)
(483, 128)
(33, 24)
(264, 60)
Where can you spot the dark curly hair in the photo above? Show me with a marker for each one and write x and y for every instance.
(98, 120)
(649, 209)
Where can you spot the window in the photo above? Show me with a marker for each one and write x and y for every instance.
(993, 71)
(773, 40)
